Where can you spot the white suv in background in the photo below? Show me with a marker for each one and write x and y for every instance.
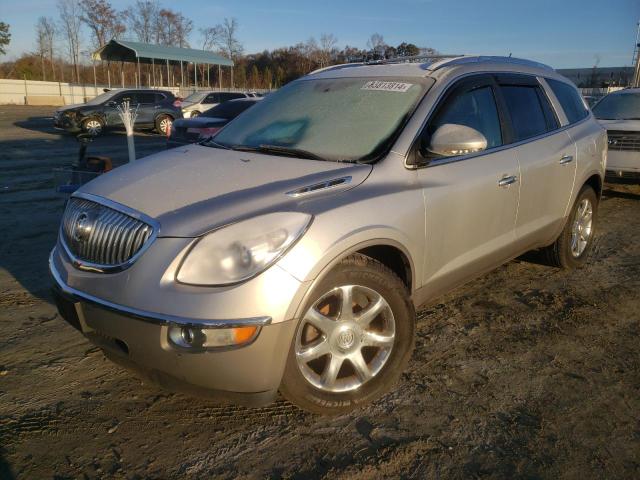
(199, 102)
(619, 113)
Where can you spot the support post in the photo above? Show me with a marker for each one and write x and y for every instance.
(208, 76)
(219, 77)
(95, 81)
(181, 76)
(122, 72)
(168, 81)
(109, 74)
(139, 76)
(153, 68)
(195, 72)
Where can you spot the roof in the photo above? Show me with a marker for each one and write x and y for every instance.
(127, 51)
(403, 67)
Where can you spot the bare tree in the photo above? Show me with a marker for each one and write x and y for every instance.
(47, 28)
(173, 28)
(328, 43)
(376, 44)
(211, 37)
(228, 41)
(143, 20)
(102, 20)
(70, 24)
(41, 45)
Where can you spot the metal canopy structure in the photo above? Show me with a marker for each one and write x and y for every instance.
(149, 54)
(126, 51)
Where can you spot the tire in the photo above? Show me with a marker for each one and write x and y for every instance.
(92, 125)
(309, 383)
(569, 250)
(195, 114)
(163, 124)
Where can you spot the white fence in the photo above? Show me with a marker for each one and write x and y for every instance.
(34, 92)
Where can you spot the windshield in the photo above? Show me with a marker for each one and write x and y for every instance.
(621, 106)
(340, 119)
(196, 97)
(103, 97)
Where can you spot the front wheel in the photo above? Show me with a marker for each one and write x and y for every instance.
(92, 126)
(353, 341)
(163, 124)
(572, 247)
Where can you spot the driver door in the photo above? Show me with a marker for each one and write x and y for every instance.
(471, 200)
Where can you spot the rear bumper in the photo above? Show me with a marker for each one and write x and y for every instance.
(248, 375)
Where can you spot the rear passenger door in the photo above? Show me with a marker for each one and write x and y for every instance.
(146, 107)
(547, 158)
(471, 200)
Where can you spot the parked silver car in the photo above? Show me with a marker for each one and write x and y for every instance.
(619, 113)
(199, 102)
(289, 252)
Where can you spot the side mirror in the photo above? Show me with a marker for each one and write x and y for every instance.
(452, 139)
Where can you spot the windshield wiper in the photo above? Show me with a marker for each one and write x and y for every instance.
(209, 142)
(278, 150)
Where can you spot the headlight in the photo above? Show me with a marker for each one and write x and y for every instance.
(242, 250)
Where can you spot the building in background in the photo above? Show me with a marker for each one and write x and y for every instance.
(599, 77)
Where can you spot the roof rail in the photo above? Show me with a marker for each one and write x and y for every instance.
(385, 61)
(486, 59)
(413, 58)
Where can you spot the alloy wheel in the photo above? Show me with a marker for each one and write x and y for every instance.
(94, 127)
(345, 338)
(582, 228)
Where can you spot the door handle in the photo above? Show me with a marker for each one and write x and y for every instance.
(566, 159)
(507, 180)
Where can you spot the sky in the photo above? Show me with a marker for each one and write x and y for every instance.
(561, 33)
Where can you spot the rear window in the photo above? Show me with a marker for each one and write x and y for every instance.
(569, 99)
(228, 110)
(230, 96)
(528, 118)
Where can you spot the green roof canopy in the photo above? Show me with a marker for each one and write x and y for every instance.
(126, 51)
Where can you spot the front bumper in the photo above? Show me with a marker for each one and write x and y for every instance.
(138, 340)
(64, 122)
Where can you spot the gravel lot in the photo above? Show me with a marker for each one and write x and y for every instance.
(528, 372)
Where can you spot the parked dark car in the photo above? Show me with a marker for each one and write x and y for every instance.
(156, 109)
(190, 130)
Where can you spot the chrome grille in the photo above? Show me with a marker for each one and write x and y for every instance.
(100, 235)
(624, 141)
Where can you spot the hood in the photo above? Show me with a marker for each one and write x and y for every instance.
(70, 107)
(199, 122)
(625, 125)
(193, 189)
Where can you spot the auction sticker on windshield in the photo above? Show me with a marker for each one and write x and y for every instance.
(387, 86)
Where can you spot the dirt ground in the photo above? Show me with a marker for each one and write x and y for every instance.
(528, 372)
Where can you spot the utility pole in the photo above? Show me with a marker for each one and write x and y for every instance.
(636, 59)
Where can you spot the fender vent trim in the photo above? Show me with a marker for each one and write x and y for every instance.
(318, 187)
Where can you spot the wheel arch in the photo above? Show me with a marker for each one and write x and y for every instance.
(389, 252)
(595, 182)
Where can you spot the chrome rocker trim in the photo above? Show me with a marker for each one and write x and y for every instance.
(152, 317)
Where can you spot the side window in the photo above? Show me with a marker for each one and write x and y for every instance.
(146, 98)
(211, 98)
(474, 108)
(160, 97)
(569, 99)
(524, 104)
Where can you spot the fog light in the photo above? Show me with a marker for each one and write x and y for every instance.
(198, 338)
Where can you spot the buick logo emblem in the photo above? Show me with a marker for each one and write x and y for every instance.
(83, 227)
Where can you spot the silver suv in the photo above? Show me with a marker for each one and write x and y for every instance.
(289, 252)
